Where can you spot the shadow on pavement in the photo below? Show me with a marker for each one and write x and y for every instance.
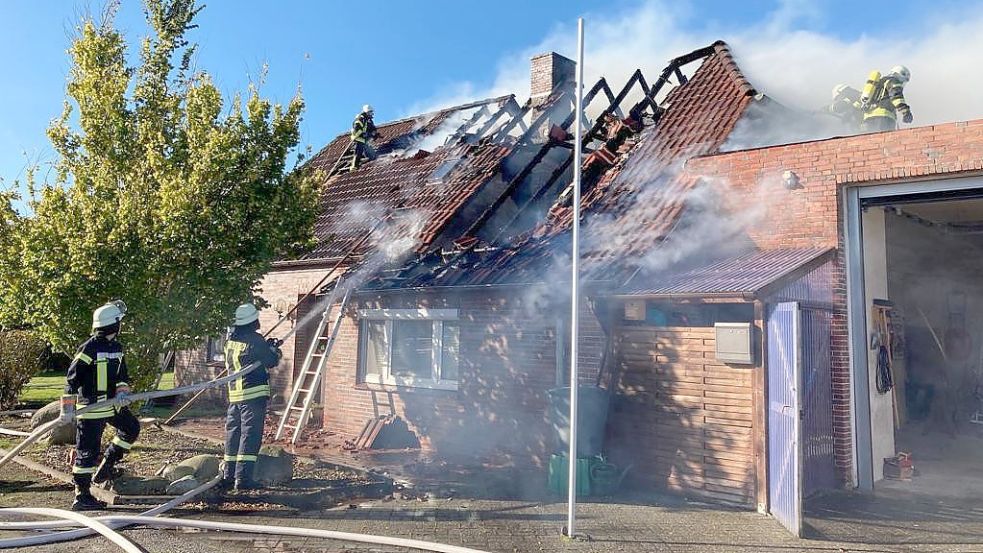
(894, 517)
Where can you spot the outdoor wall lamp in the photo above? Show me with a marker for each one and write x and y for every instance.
(791, 180)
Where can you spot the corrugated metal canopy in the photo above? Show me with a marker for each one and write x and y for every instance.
(746, 275)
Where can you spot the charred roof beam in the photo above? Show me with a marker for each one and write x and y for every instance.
(511, 107)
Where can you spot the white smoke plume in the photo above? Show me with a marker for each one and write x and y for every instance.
(393, 241)
(781, 55)
(433, 140)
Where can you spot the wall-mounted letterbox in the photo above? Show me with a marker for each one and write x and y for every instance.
(734, 343)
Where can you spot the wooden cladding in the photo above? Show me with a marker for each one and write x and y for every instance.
(683, 419)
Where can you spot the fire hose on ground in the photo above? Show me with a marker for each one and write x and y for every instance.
(44, 429)
(109, 522)
(104, 525)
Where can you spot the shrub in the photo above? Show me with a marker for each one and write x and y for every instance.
(20, 359)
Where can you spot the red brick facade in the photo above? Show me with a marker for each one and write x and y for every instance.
(811, 214)
(507, 362)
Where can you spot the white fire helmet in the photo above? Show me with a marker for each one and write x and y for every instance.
(838, 89)
(245, 314)
(367, 109)
(109, 314)
(902, 72)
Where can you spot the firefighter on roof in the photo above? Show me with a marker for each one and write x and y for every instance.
(363, 130)
(248, 396)
(97, 373)
(846, 106)
(882, 100)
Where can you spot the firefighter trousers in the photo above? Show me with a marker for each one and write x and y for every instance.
(243, 437)
(88, 442)
(363, 150)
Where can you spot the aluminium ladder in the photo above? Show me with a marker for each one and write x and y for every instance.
(298, 409)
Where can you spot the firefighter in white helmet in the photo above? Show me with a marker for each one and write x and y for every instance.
(248, 396)
(845, 106)
(882, 100)
(363, 132)
(98, 373)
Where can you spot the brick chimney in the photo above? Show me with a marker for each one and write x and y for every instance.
(549, 72)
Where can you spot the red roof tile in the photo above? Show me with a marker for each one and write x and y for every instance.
(422, 192)
(352, 203)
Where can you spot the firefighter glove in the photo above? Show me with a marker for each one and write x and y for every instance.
(123, 399)
(907, 118)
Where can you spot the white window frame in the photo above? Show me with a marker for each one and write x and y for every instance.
(437, 317)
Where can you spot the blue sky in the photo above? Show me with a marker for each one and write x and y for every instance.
(404, 55)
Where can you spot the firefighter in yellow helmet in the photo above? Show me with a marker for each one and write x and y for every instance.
(882, 100)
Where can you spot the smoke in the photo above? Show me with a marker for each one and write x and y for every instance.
(783, 54)
(433, 140)
(393, 241)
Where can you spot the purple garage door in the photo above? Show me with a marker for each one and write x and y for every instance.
(784, 425)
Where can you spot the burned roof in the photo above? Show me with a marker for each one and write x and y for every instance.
(415, 189)
(745, 276)
(638, 202)
(428, 188)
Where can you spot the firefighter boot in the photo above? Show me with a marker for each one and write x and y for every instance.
(84, 501)
(107, 469)
(243, 485)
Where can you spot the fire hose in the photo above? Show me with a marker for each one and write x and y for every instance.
(102, 525)
(124, 520)
(44, 429)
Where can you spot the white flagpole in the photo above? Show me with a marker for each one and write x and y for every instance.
(575, 285)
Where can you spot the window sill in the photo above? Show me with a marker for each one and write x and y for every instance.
(393, 384)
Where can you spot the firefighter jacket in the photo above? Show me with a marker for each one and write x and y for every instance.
(886, 99)
(95, 373)
(243, 348)
(363, 128)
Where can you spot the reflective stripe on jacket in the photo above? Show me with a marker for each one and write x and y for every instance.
(887, 99)
(243, 348)
(363, 128)
(95, 373)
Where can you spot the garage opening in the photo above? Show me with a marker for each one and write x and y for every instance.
(922, 261)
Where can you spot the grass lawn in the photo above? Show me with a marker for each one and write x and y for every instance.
(43, 388)
(47, 387)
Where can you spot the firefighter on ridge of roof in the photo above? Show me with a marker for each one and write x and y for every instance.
(882, 100)
(98, 373)
(363, 131)
(248, 397)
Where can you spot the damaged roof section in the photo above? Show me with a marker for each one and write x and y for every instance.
(636, 202)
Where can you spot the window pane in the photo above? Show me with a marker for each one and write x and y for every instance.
(451, 351)
(376, 348)
(413, 349)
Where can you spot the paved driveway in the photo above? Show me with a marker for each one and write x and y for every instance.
(840, 523)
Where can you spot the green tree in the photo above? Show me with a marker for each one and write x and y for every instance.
(163, 196)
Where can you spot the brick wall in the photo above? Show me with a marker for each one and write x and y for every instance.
(811, 215)
(285, 287)
(683, 419)
(507, 362)
(548, 71)
(280, 288)
(192, 367)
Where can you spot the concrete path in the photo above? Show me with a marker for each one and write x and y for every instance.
(648, 523)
